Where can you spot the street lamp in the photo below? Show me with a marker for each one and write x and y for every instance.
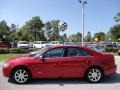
(83, 2)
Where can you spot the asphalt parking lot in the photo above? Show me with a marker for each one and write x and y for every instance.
(109, 83)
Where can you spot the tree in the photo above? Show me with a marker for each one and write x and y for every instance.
(75, 37)
(4, 30)
(35, 26)
(31, 31)
(13, 28)
(52, 30)
(100, 36)
(117, 17)
(65, 37)
(88, 37)
(78, 37)
(115, 32)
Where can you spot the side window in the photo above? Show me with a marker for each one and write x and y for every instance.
(77, 52)
(82, 52)
(72, 52)
(54, 53)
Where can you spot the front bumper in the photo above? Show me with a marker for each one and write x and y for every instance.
(6, 71)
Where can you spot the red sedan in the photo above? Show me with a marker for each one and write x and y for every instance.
(61, 62)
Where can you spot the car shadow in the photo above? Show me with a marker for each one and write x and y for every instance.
(115, 78)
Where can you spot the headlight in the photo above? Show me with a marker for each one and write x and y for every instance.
(6, 65)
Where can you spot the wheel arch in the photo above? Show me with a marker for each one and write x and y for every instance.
(21, 66)
(94, 66)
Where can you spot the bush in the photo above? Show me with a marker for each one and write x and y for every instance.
(15, 50)
(111, 49)
(4, 50)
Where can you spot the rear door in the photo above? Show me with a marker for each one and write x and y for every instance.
(75, 62)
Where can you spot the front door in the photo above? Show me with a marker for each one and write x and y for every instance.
(49, 66)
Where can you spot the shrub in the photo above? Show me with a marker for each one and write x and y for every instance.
(15, 50)
(111, 49)
(4, 50)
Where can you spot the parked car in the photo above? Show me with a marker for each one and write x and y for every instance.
(118, 50)
(68, 43)
(5, 44)
(23, 44)
(61, 61)
(103, 44)
(118, 44)
(39, 44)
(56, 43)
(31, 45)
(97, 48)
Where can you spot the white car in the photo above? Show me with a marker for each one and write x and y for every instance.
(56, 43)
(39, 44)
(23, 44)
(68, 43)
(96, 48)
(118, 44)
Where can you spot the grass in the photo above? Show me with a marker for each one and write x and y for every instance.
(4, 57)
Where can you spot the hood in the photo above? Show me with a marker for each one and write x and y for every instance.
(21, 59)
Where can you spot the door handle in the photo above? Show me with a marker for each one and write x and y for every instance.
(59, 63)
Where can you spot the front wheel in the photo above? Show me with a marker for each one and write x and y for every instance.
(94, 75)
(21, 75)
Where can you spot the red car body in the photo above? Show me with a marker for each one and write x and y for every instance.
(62, 67)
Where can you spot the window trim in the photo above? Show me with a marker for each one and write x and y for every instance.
(63, 52)
(77, 56)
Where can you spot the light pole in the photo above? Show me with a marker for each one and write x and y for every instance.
(83, 2)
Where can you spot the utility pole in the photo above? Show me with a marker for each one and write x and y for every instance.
(83, 2)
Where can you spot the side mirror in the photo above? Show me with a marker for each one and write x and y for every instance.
(41, 57)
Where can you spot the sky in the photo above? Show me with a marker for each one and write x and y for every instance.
(98, 13)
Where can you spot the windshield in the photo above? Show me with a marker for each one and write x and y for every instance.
(23, 42)
(34, 53)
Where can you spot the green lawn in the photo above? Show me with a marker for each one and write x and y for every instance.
(4, 57)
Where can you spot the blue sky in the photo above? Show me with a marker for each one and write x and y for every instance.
(98, 13)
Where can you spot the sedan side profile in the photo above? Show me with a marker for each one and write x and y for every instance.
(61, 62)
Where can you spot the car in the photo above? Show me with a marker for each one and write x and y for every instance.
(5, 44)
(118, 44)
(31, 45)
(97, 48)
(56, 43)
(68, 43)
(119, 51)
(22, 44)
(39, 44)
(61, 62)
(103, 44)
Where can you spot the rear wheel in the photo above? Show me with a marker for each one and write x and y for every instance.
(94, 75)
(21, 75)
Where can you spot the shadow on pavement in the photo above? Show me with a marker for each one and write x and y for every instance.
(115, 78)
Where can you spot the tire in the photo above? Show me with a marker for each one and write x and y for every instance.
(21, 75)
(94, 75)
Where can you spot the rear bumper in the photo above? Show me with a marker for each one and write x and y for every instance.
(110, 70)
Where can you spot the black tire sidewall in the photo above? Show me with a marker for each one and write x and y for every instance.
(87, 78)
(13, 76)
